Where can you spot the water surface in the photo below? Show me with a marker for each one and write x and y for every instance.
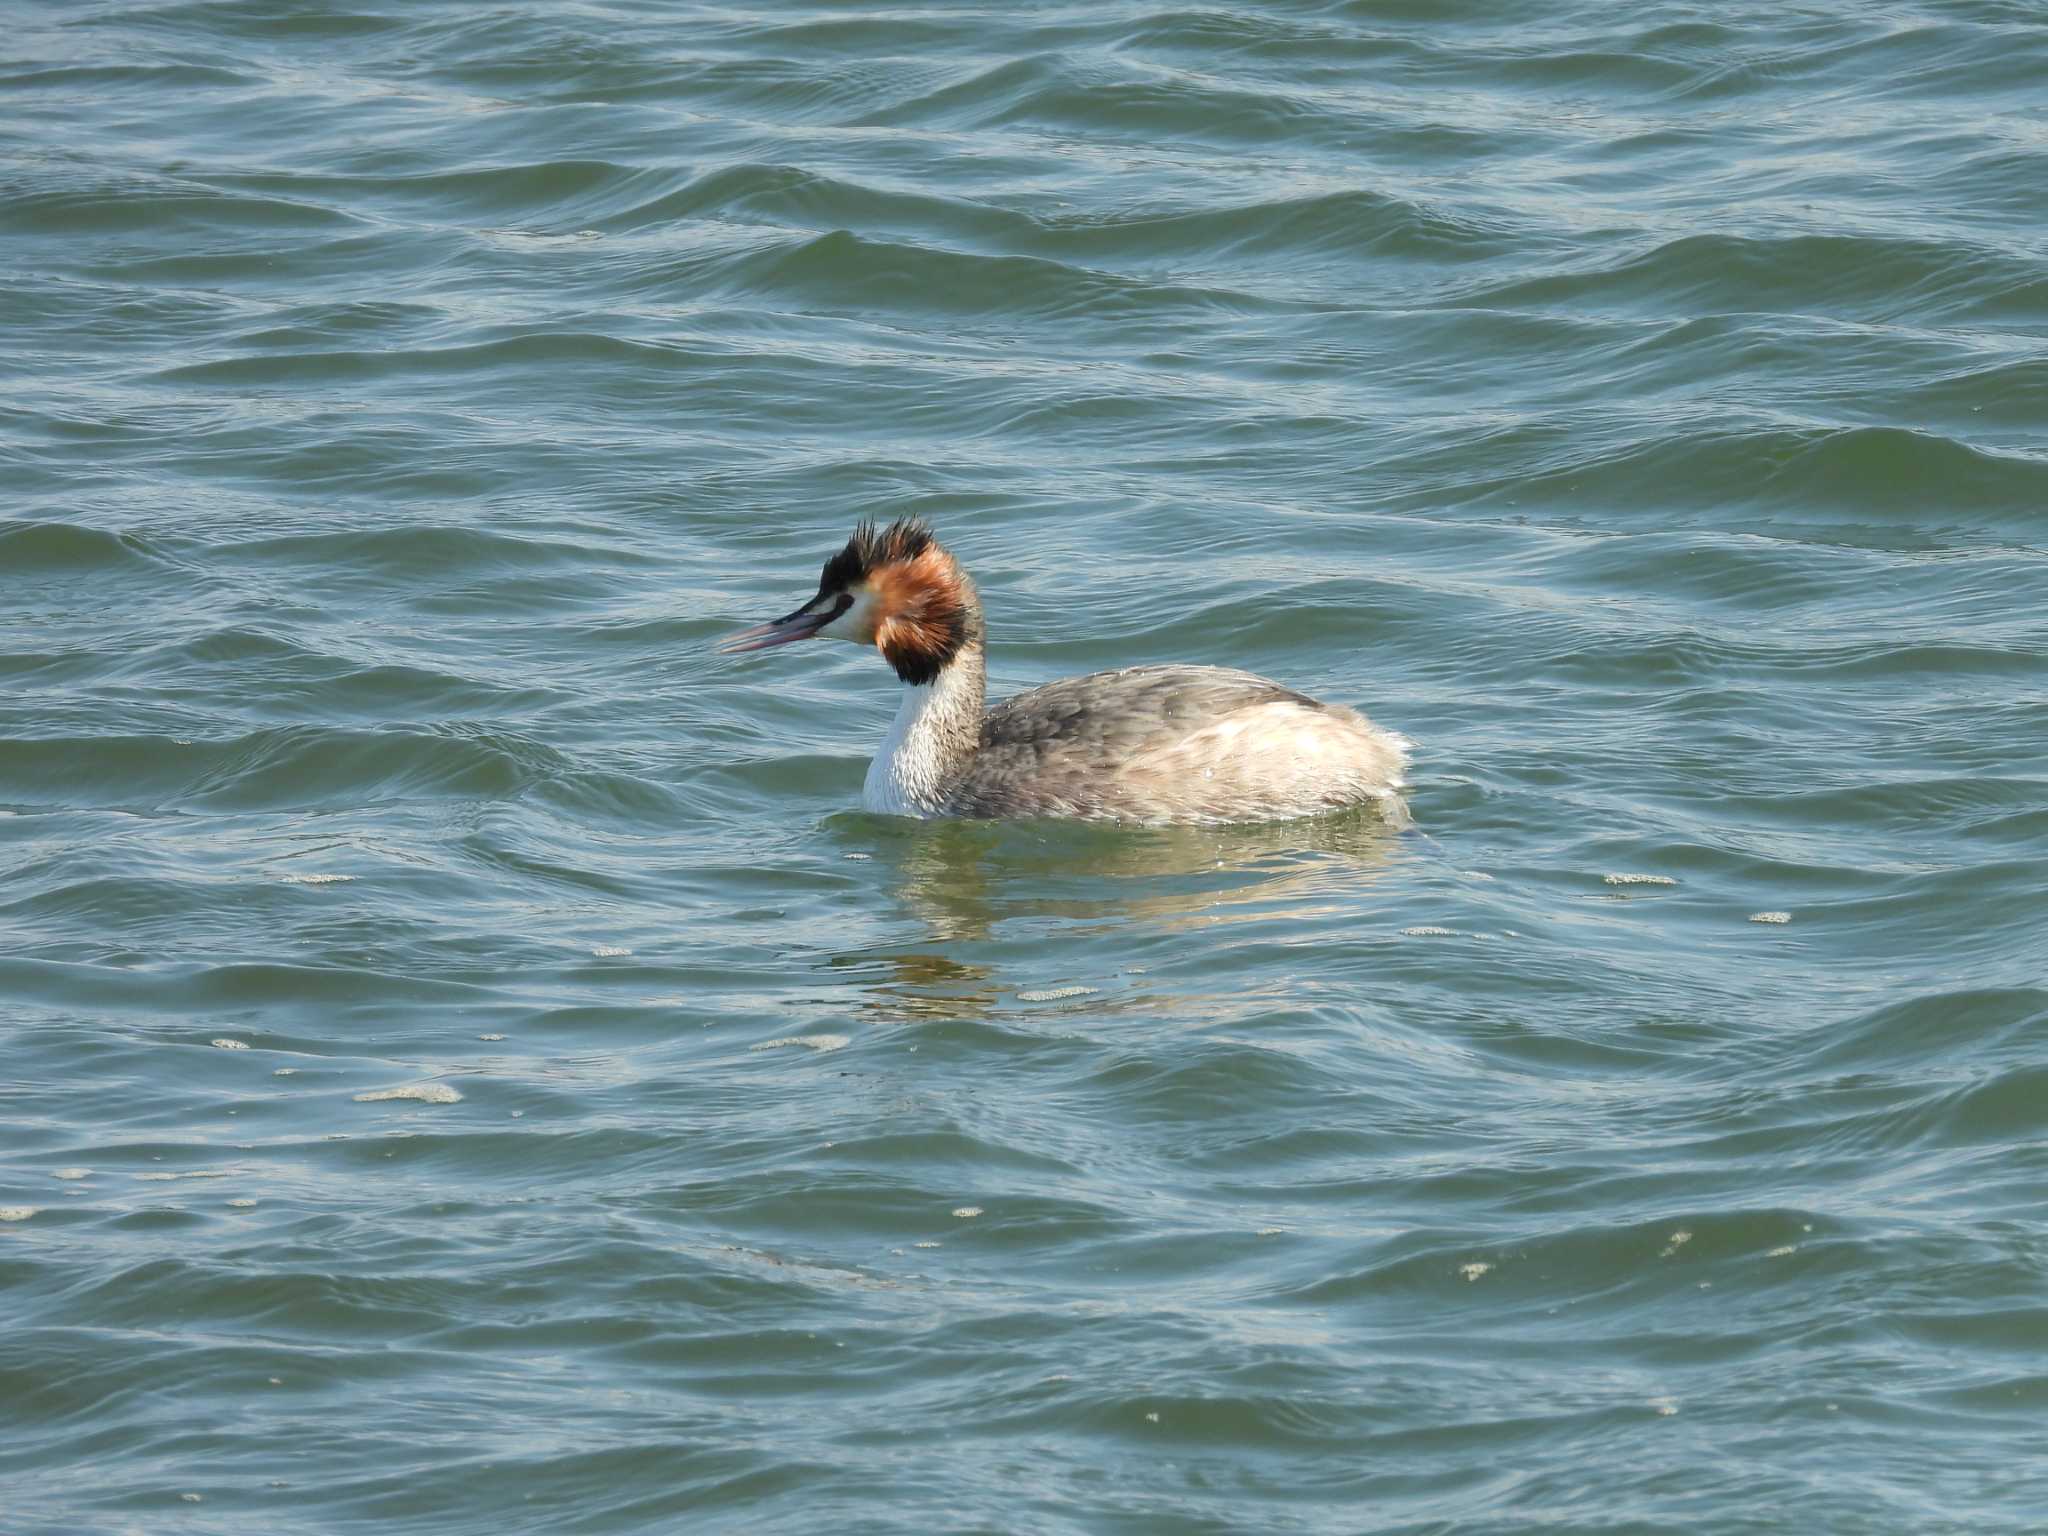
(1643, 411)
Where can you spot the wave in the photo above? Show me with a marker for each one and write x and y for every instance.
(1934, 1027)
(843, 272)
(449, 549)
(1885, 475)
(1867, 277)
(275, 767)
(152, 205)
(563, 193)
(790, 196)
(56, 547)
(327, 367)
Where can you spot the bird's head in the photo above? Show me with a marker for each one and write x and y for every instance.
(894, 588)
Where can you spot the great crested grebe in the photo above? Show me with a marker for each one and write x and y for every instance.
(1155, 745)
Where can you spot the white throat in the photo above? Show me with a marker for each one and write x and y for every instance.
(921, 754)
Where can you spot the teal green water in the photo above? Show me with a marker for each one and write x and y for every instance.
(1645, 410)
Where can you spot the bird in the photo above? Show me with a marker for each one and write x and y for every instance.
(1145, 745)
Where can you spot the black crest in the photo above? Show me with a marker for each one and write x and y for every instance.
(870, 547)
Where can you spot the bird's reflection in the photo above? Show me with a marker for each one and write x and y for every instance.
(968, 881)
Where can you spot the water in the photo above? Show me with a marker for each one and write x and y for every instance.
(1646, 411)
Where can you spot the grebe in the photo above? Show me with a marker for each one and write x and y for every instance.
(1156, 745)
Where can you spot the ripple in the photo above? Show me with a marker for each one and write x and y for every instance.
(1869, 278)
(284, 766)
(31, 547)
(789, 196)
(142, 205)
(846, 272)
(323, 367)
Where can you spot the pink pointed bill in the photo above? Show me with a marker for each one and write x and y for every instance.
(800, 625)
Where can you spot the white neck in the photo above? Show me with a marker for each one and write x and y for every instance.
(932, 738)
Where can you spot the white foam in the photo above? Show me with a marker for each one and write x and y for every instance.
(71, 1173)
(1269, 1231)
(1475, 1269)
(966, 1212)
(241, 1202)
(1770, 917)
(1676, 1241)
(609, 951)
(1779, 1253)
(316, 879)
(927, 1245)
(1665, 1406)
(192, 1173)
(1639, 880)
(286, 1072)
(18, 1212)
(1427, 932)
(226, 1044)
(810, 1042)
(1053, 994)
(425, 1093)
(490, 1037)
